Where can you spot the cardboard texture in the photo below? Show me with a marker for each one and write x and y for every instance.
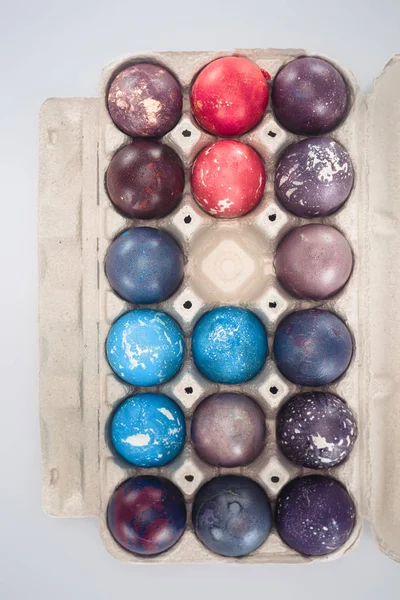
(77, 222)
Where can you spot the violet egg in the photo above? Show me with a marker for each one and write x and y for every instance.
(145, 100)
(314, 177)
(313, 261)
(314, 515)
(228, 430)
(309, 96)
(312, 347)
(316, 430)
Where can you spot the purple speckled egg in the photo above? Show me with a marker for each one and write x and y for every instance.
(312, 347)
(228, 430)
(313, 261)
(315, 515)
(145, 100)
(309, 96)
(314, 177)
(316, 430)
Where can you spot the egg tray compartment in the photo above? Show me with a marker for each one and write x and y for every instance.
(229, 262)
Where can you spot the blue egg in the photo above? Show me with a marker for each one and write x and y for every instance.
(144, 265)
(229, 345)
(145, 347)
(148, 430)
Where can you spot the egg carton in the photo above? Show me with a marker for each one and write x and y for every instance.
(228, 262)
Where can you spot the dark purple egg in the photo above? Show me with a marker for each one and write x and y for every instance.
(144, 265)
(231, 515)
(145, 179)
(314, 515)
(228, 430)
(313, 261)
(146, 514)
(145, 100)
(314, 177)
(309, 96)
(316, 430)
(312, 347)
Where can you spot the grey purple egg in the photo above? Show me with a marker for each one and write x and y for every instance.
(314, 177)
(313, 261)
(316, 430)
(312, 347)
(145, 100)
(232, 515)
(309, 96)
(314, 515)
(228, 430)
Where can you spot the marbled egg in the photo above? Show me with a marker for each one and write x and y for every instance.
(228, 429)
(145, 347)
(229, 345)
(315, 515)
(145, 179)
(316, 430)
(148, 430)
(231, 515)
(144, 265)
(314, 177)
(146, 515)
(145, 100)
(309, 96)
(313, 261)
(312, 347)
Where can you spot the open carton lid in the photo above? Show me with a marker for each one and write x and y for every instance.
(379, 304)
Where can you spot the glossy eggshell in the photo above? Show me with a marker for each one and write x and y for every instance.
(309, 96)
(146, 515)
(313, 261)
(231, 515)
(315, 515)
(145, 100)
(229, 345)
(314, 177)
(144, 265)
(312, 347)
(145, 347)
(145, 179)
(228, 179)
(148, 430)
(229, 96)
(316, 430)
(228, 430)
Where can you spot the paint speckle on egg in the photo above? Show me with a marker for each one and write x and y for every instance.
(316, 430)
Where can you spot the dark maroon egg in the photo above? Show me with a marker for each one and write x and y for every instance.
(316, 430)
(313, 261)
(314, 515)
(314, 177)
(312, 347)
(145, 179)
(228, 430)
(145, 100)
(309, 96)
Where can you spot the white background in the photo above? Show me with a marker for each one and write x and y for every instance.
(52, 48)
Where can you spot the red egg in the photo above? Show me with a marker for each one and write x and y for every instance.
(228, 179)
(229, 96)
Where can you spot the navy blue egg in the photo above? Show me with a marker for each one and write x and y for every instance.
(312, 347)
(144, 265)
(232, 515)
(145, 347)
(229, 345)
(148, 430)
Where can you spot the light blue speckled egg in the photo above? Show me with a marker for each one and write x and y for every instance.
(229, 345)
(145, 347)
(148, 430)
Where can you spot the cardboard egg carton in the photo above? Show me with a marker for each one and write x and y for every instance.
(228, 262)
